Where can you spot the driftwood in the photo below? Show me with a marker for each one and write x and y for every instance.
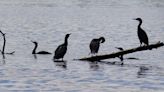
(117, 54)
(4, 44)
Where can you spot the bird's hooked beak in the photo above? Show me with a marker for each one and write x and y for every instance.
(69, 34)
(134, 19)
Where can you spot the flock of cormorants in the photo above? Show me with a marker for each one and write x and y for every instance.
(94, 44)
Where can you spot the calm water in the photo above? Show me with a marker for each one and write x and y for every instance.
(47, 21)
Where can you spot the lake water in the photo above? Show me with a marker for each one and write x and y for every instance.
(47, 22)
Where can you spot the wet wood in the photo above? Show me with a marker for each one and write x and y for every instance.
(4, 44)
(127, 51)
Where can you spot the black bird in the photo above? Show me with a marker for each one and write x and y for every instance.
(61, 49)
(40, 52)
(143, 38)
(95, 44)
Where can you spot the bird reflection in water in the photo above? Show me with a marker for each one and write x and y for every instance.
(61, 63)
(142, 71)
(94, 65)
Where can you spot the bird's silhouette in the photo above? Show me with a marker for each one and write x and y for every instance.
(40, 52)
(61, 49)
(143, 38)
(95, 44)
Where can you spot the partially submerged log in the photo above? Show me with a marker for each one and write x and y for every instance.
(117, 54)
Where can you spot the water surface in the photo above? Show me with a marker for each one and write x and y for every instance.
(47, 22)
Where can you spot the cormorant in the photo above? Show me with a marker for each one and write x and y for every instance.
(61, 49)
(40, 52)
(95, 44)
(142, 34)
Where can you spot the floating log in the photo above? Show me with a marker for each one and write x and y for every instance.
(117, 54)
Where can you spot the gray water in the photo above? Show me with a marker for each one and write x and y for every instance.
(47, 22)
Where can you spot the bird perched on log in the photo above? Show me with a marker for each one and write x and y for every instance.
(143, 38)
(95, 44)
(61, 49)
(40, 52)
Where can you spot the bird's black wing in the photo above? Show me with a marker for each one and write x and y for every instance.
(144, 37)
(60, 51)
(94, 46)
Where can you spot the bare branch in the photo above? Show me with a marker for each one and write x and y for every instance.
(4, 44)
(10, 53)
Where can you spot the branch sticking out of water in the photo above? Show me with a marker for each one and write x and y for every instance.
(4, 44)
(117, 54)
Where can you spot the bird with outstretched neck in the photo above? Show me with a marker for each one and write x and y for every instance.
(143, 38)
(95, 44)
(61, 49)
(40, 52)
